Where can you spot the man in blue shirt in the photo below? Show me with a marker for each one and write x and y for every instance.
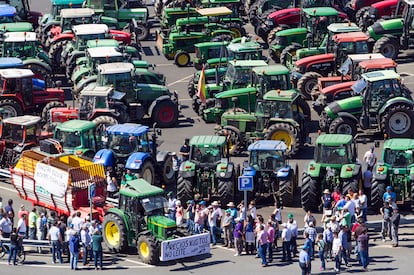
(304, 260)
(389, 194)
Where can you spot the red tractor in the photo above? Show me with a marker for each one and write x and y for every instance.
(367, 16)
(21, 93)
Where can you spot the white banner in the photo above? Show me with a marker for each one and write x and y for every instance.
(51, 179)
(185, 247)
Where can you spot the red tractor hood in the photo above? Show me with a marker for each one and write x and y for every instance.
(320, 58)
(121, 36)
(337, 87)
(284, 13)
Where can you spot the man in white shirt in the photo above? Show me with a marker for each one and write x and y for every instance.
(77, 222)
(55, 239)
(286, 237)
(337, 250)
(5, 226)
(21, 225)
(293, 227)
(370, 158)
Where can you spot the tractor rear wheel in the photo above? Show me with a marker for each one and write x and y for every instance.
(190, 87)
(284, 132)
(289, 50)
(10, 108)
(226, 191)
(102, 122)
(377, 191)
(234, 138)
(142, 32)
(196, 103)
(286, 191)
(148, 249)
(304, 108)
(398, 122)
(272, 34)
(184, 189)
(310, 193)
(147, 172)
(387, 46)
(55, 53)
(307, 82)
(238, 30)
(342, 125)
(114, 233)
(46, 110)
(168, 171)
(360, 17)
(182, 59)
(165, 114)
(350, 184)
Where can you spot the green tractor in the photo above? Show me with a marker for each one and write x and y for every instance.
(138, 220)
(396, 170)
(334, 165)
(78, 137)
(315, 22)
(208, 174)
(279, 115)
(380, 103)
(180, 43)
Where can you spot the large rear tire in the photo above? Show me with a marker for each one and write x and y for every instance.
(351, 184)
(284, 132)
(165, 114)
(307, 82)
(48, 107)
(147, 172)
(226, 191)
(377, 191)
(342, 125)
(102, 122)
(289, 50)
(310, 193)
(148, 249)
(190, 87)
(234, 138)
(55, 53)
(388, 46)
(10, 108)
(398, 122)
(114, 233)
(184, 189)
(168, 173)
(286, 191)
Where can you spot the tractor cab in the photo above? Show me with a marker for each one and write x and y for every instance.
(118, 75)
(7, 13)
(72, 17)
(349, 43)
(272, 77)
(208, 152)
(277, 104)
(18, 82)
(86, 32)
(333, 152)
(238, 73)
(262, 158)
(102, 55)
(93, 99)
(20, 44)
(21, 130)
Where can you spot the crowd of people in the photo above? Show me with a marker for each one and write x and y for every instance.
(74, 236)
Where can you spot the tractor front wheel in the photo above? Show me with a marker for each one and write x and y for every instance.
(184, 189)
(387, 46)
(147, 172)
(310, 193)
(343, 126)
(148, 249)
(377, 191)
(284, 132)
(398, 121)
(307, 82)
(182, 59)
(114, 233)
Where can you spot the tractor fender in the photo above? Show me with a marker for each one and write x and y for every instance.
(396, 100)
(249, 172)
(227, 173)
(382, 176)
(314, 169)
(121, 214)
(357, 170)
(156, 101)
(162, 156)
(143, 233)
(38, 62)
(104, 157)
(121, 36)
(350, 170)
(218, 32)
(136, 160)
(49, 25)
(283, 172)
(348, 115)
(63, 36)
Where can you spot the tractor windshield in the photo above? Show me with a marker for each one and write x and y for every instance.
(206, 154)
(278, 109)
(333, 154)
(68, 23)
(69, 139)
(154, 204)
(267, 160)
(272, 82)
(239, 75)
(253, 55)
(398, 158)
(126, 145)
(20, 49)
(90, 103)
(82, 39)
(120, 81)
(12, 133)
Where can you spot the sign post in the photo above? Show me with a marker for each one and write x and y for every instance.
(245, 184)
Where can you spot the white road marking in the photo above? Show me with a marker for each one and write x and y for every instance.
(139, 263)
(8, 189)
(180, 80)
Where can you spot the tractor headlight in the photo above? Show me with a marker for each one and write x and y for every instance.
(222, 174)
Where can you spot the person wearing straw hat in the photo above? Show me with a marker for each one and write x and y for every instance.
(326, 200)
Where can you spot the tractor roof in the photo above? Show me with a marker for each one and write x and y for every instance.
(7, 10)
(93, 43)
(200, 20)
(15, 73)
(277, 69)
(211, 44)
(267, 145)
(97, 91)
(350, 37)
(281, 95)
(67, 2)
(127, 129)
(19, 36)
(247, 46)
(343, 27)
(207, 141)
(103, 52)
(334, 139)
(247, 63)
(140, 189)
(10, 62)
(25, 120)
(380, 75)
(365, 56)
(115, 68)
(16, 27)
(382, 63)
(85, 29)
(76, 125)
(399, 144)
(76, 12)
(217, 11)
(320, 11)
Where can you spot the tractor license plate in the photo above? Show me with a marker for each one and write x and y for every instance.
(185, 247)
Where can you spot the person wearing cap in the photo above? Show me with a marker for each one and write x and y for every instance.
(56, 240)
(304, 260)
(386, 212)
(238, 236)
(286, 237)
(228, 229)
(233, 211)
(172, 207)
(370, 158)
(213, 216)
(326, 200)
(395, 223)
(185, 150)
(293, 227)
(389, 194)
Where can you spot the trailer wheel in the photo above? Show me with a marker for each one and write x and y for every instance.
(10, 108)
(184, 189)
(114, 233)
(377, 191)
(147, 172)
(310, 193)
(148, 250)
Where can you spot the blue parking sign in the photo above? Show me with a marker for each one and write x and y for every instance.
(245, 183)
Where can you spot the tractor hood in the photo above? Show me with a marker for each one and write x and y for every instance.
(236, 93)
(151, 90)
(392, 26)
(302, 53)
(231, 115)
(306, 61)
(345, 171)
(281, 14)
(292, 32)
(162, 221)
(352, 105)
(330, 90)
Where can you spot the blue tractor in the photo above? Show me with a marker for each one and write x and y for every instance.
(272, 174)
(128, 146)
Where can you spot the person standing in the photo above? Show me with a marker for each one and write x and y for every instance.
(199, 218)
(32, 224)
(238, 236)
(312, 236)
(43, 225)
(130, 176)
(368, 184)
(293, 227)
(336, 250)
(97, 240)
(228, 229)
(363, 249)
(395, 223)
(190, 216)
(185, 150)
(389, 194)
(21, 225)
(363, 204)
(249, 233)
(343, 236)
(309, 218)
(175, 164)
(328, 239)
(6, 226)
(386, 212)
(172, 207)
(77, 222)
(212, 222)
(179, 213)
(304, 260)
(271, 239)
(321, 250)
(14, 242)
(86, 243)
(286, 237)
(262, 238)
(9, 208)
(327, 200)
(252, 209)
(74, 250)
(370, 158)
(55, 239)
(111, 183)
(278, 213)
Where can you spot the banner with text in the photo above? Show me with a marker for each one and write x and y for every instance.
(185, 247)
(51, 179)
